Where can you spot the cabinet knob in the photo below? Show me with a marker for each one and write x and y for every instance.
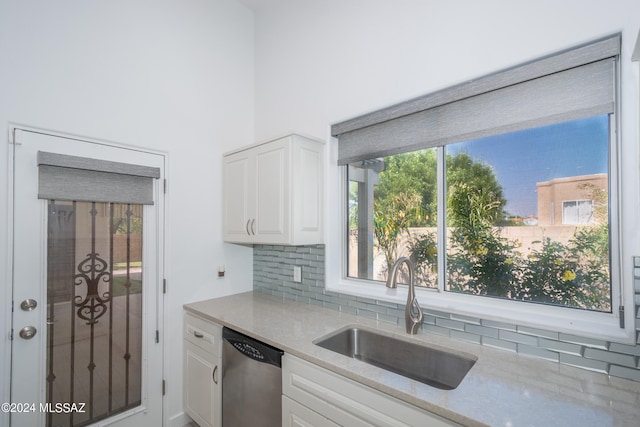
(197, 334)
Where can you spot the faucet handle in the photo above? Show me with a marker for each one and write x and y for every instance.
(413, 319)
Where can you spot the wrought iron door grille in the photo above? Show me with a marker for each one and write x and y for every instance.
(94, 309)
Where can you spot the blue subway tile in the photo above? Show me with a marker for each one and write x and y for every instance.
(496, 343)
(538, 332)
(541, 353)
(518, 338)
(622, 372)
(559, 346)
(499, 325)
(450, 324)
(465, 336)
(610, 357)
(581, 362)
(482, 330)
(587, 342)
(433, 329)
(465, 319)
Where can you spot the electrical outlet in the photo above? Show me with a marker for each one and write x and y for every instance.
(297, 274)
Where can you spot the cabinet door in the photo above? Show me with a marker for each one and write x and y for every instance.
(239, 197)
(297, 415)
(202, 391)
(272, 171)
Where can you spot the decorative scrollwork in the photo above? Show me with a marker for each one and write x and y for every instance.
(92, 271)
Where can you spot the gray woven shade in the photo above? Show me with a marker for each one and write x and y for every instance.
(571, 85)
(63, 177)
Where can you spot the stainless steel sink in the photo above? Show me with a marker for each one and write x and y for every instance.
(430, 365)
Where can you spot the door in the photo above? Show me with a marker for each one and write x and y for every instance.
(272, 192)
(202, 385)
(86, 276)
(238, 198)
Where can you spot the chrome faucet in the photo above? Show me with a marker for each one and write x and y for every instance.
(412, 313)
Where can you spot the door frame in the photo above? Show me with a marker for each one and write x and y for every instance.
(162, 257)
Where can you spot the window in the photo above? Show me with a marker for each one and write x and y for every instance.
(498, 188)
(496, 244)
(577, 212)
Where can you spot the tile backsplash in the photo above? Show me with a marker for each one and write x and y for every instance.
(273, 274)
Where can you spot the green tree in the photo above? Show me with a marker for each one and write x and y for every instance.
(392, 216)
(406, 196)
(479, 261)
(415, 171)
(476, 180)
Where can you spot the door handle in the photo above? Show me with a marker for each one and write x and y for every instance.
(28, 304)
(27, 332)
(246, 227)
(197, 334)
(215, 380)
(253, 226)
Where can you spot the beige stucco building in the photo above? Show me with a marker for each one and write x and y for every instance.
(572, 200)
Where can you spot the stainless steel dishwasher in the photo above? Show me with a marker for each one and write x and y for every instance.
(251, 382)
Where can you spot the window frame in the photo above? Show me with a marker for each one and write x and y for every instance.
(592, 324)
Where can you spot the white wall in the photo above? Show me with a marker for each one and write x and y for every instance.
(319, 62)
(170, 75)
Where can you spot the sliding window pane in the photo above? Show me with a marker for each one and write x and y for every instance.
(392, 213)
(528, 215)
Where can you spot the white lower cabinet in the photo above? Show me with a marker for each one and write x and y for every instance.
(202, 371)
(314, 396)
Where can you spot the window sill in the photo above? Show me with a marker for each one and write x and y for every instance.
(601, 326)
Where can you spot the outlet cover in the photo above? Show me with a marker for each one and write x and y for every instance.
(297, 274)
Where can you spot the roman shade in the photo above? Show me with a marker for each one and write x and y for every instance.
(570, 85)
(64, 177)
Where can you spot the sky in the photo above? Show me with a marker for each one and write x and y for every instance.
(521, 159)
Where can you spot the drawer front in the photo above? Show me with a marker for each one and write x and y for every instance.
(296, 415)
(347, 402)
(204, 334)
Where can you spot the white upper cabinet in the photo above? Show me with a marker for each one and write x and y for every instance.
(273, 192)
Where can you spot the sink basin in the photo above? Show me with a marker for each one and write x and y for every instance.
(430, 365)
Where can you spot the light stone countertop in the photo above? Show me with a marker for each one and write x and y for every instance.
(502, 388)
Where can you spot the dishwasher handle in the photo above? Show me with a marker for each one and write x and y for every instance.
(252, 348)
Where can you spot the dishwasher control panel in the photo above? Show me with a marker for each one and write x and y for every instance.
(248, 350)
(252, 348)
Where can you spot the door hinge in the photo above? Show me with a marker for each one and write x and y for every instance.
(621, 313)
(11, 335)
(164, 286)
(14, 137)
(157, 336)
(164, 387)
